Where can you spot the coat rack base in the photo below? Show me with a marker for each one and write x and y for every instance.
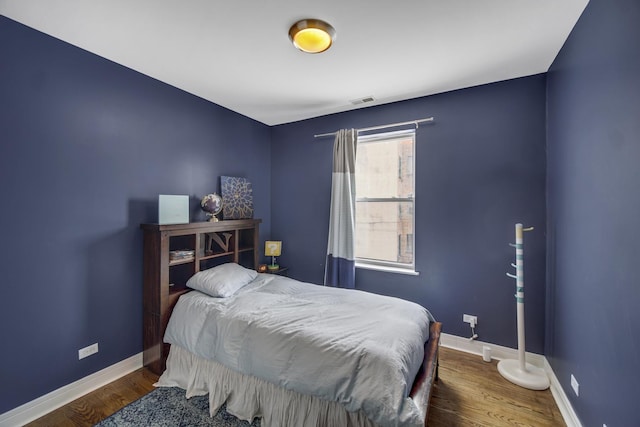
(530, 377)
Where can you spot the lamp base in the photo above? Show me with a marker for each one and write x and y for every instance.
(273, 267)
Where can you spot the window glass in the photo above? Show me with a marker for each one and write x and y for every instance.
(385, 200)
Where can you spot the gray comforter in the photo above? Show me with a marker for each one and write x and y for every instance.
(360, 349)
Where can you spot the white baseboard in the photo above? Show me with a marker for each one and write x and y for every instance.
(569, 415)
(43, 405)
(499, 352)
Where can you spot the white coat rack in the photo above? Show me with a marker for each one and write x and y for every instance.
(519, 371)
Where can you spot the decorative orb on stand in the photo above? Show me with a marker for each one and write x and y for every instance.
(212, 205)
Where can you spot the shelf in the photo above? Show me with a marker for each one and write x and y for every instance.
(181, 261)
(216, 255)
(202, 227)
(221, 254)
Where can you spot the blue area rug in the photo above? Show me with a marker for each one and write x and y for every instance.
(168, 407)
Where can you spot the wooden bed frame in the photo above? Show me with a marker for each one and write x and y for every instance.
(428, 373)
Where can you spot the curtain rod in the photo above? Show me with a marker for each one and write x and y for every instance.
(411, 122)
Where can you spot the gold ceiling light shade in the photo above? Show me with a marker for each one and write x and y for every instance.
(312, 35)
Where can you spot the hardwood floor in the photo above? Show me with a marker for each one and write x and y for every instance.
(99, 404)
(470, 392)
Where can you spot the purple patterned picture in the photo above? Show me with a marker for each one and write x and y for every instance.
(237, 198)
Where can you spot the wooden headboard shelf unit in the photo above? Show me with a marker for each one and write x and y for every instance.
(164, 278)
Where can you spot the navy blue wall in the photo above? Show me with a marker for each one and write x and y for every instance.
(87, 146)
(480, 169)
(594, 211)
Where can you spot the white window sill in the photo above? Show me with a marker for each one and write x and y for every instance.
(387, 269)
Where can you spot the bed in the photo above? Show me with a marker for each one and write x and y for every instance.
(295, 353)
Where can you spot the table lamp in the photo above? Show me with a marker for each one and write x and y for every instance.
(272, 248)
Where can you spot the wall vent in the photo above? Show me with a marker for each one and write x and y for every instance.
(362, 100)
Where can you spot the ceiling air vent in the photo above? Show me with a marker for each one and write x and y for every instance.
(361, 100)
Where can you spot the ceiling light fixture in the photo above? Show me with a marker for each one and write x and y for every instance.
(312, 35)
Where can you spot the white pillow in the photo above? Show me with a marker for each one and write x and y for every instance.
(222, 280)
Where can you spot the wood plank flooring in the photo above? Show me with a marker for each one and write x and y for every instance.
(99, 404)
(470, 392)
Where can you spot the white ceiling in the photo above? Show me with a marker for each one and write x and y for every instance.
(237, 54)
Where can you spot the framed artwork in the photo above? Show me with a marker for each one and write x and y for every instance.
(237, 198)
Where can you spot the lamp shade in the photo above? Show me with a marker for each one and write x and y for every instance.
(312, 35)
(272, 248)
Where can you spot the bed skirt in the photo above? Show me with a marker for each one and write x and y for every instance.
(248, 397)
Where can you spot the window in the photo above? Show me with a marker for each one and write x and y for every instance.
(384, 236)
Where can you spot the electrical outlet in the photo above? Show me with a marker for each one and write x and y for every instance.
(472, 320)
(87, 351)
(575, 385)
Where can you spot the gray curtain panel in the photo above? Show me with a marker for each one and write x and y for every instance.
(340, 266)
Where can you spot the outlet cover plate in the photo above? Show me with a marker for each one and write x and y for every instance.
(87, 351)
(467, 318)
(575, 385)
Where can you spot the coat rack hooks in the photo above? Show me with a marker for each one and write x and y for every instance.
(519, 371)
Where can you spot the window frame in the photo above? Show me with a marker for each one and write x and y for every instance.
(377, 264)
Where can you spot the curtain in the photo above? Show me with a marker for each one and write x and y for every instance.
(340, 270)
